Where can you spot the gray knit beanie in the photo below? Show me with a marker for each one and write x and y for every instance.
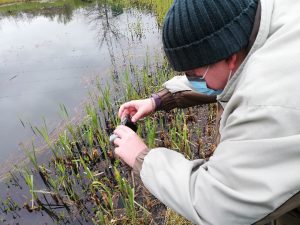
(201, 32)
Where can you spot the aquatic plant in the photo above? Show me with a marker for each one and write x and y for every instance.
(82, 182)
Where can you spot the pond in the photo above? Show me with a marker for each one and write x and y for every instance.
(48, 59)
(89, 57)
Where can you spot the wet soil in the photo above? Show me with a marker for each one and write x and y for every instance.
(61, 207)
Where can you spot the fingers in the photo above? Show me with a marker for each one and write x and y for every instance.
(138, 115)
(122, 131)
(124, 113)
(127, 112)
(126, 108)
(117, 142)
(121, 110)
(118, 152)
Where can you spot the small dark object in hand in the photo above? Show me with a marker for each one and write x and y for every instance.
(127, 122)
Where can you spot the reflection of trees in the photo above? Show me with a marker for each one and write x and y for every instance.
(62, 12)
(66, 14)
(102, 18)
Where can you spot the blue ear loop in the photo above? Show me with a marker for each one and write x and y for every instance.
(199, 84)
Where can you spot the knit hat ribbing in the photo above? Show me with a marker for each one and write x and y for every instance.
(201, 32)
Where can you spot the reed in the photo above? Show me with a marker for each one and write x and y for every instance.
(82, 175)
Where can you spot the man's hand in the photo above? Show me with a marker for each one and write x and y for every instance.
(137, 109)
(129, 144)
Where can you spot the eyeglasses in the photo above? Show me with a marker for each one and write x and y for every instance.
(200, 77)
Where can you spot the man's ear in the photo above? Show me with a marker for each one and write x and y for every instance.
(232, 61)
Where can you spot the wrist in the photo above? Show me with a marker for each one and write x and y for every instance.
(137, 166)
(156, 100)
(153, 104)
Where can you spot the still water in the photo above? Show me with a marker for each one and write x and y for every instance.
(46, 61)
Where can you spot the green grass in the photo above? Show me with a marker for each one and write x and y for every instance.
(82, 180)
(2, 2)
(50, 8)
(82, 173)
(47, 8)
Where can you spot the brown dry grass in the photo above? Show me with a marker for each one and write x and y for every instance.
(172, 218)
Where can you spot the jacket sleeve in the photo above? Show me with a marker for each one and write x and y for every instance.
(252, 172)
(177, 93)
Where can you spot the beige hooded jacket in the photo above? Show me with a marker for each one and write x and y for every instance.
(255, 168)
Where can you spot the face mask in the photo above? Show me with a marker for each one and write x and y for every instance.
(200, 86)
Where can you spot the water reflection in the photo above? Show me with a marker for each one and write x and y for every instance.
(103, 21)
(46, 58)
(61, 14)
